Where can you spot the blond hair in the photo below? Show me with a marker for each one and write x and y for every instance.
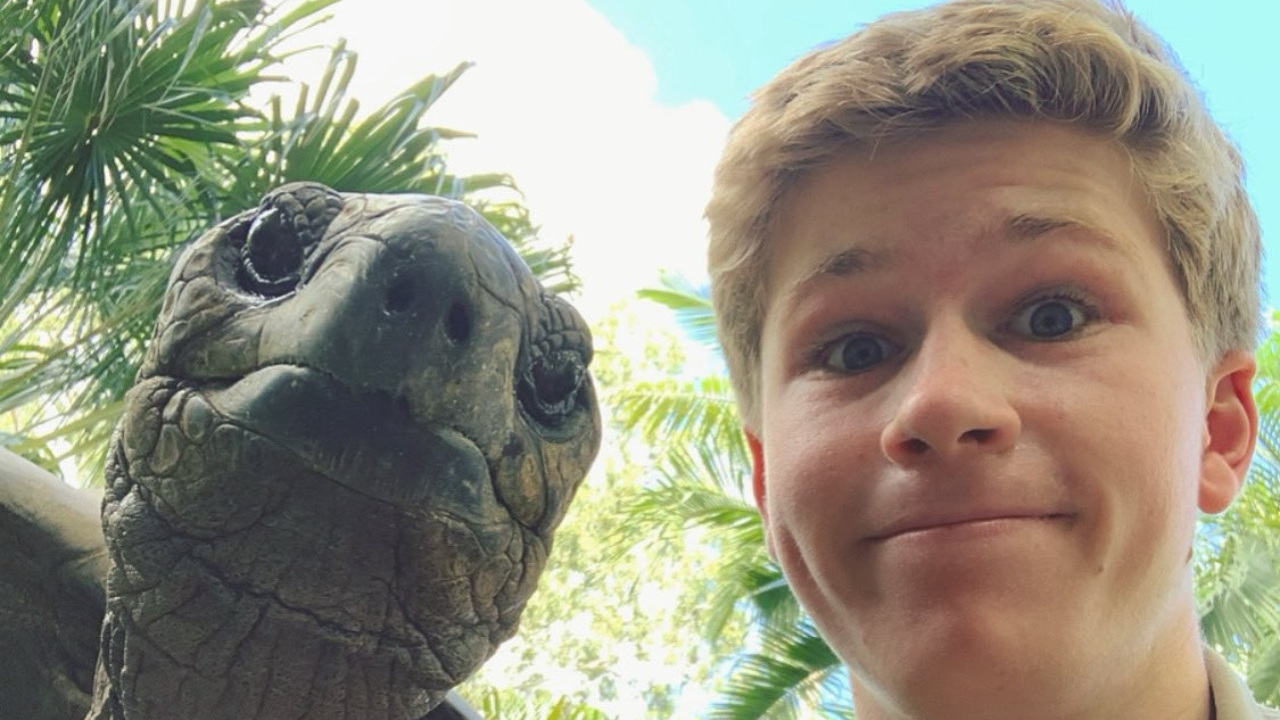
(1086, 63)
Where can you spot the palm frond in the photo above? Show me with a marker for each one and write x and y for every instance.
(698, 413)
(691, 493)
(550, 261)
(1264, 674)
(690, 304)
(791, 669)
(124, 101)
(1244, 609)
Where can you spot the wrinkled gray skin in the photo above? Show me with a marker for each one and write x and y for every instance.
(336, 481)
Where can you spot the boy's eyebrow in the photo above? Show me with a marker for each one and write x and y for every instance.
(848, 262)
(845, 263)
(1026, 227)
(1020, 228)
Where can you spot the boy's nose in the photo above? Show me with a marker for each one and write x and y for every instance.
(954, 400)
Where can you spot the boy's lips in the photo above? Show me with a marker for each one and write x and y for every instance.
(924, 521)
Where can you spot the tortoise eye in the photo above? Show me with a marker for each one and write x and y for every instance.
(282, 236)
(550, 388)
(271, 259)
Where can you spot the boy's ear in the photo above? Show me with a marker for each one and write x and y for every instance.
(1230, 430)
(758, 487)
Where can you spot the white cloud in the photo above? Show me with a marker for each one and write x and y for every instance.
(561, 101)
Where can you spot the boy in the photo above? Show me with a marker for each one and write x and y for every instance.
(986, 278)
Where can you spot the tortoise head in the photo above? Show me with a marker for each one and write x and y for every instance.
(356, 429)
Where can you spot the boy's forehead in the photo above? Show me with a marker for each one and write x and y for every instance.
(1016, 229)
(1012, 182)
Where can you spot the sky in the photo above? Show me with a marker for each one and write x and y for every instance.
(610, 114)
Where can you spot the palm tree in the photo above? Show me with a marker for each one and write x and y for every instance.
(126, 128)
(790, 671)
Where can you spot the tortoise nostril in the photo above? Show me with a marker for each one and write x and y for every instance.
(457, 323)
(401, 296)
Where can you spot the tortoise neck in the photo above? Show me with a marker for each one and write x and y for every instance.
(247, 661)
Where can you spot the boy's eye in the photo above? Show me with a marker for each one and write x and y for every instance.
(1051, 318)
(856, 353)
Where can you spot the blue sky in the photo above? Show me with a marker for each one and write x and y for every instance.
(720, 50)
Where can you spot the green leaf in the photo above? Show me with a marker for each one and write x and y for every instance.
(691, 305)
(1264, 674)
(700, 412)
(788, 672)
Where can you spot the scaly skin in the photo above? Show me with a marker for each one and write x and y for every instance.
(337, 478)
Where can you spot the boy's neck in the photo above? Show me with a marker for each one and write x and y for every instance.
(1168, 681)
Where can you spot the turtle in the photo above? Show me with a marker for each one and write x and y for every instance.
(334, 486)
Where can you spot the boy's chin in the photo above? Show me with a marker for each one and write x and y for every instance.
(957, 679)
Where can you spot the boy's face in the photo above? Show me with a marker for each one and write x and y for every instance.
(985, 428)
